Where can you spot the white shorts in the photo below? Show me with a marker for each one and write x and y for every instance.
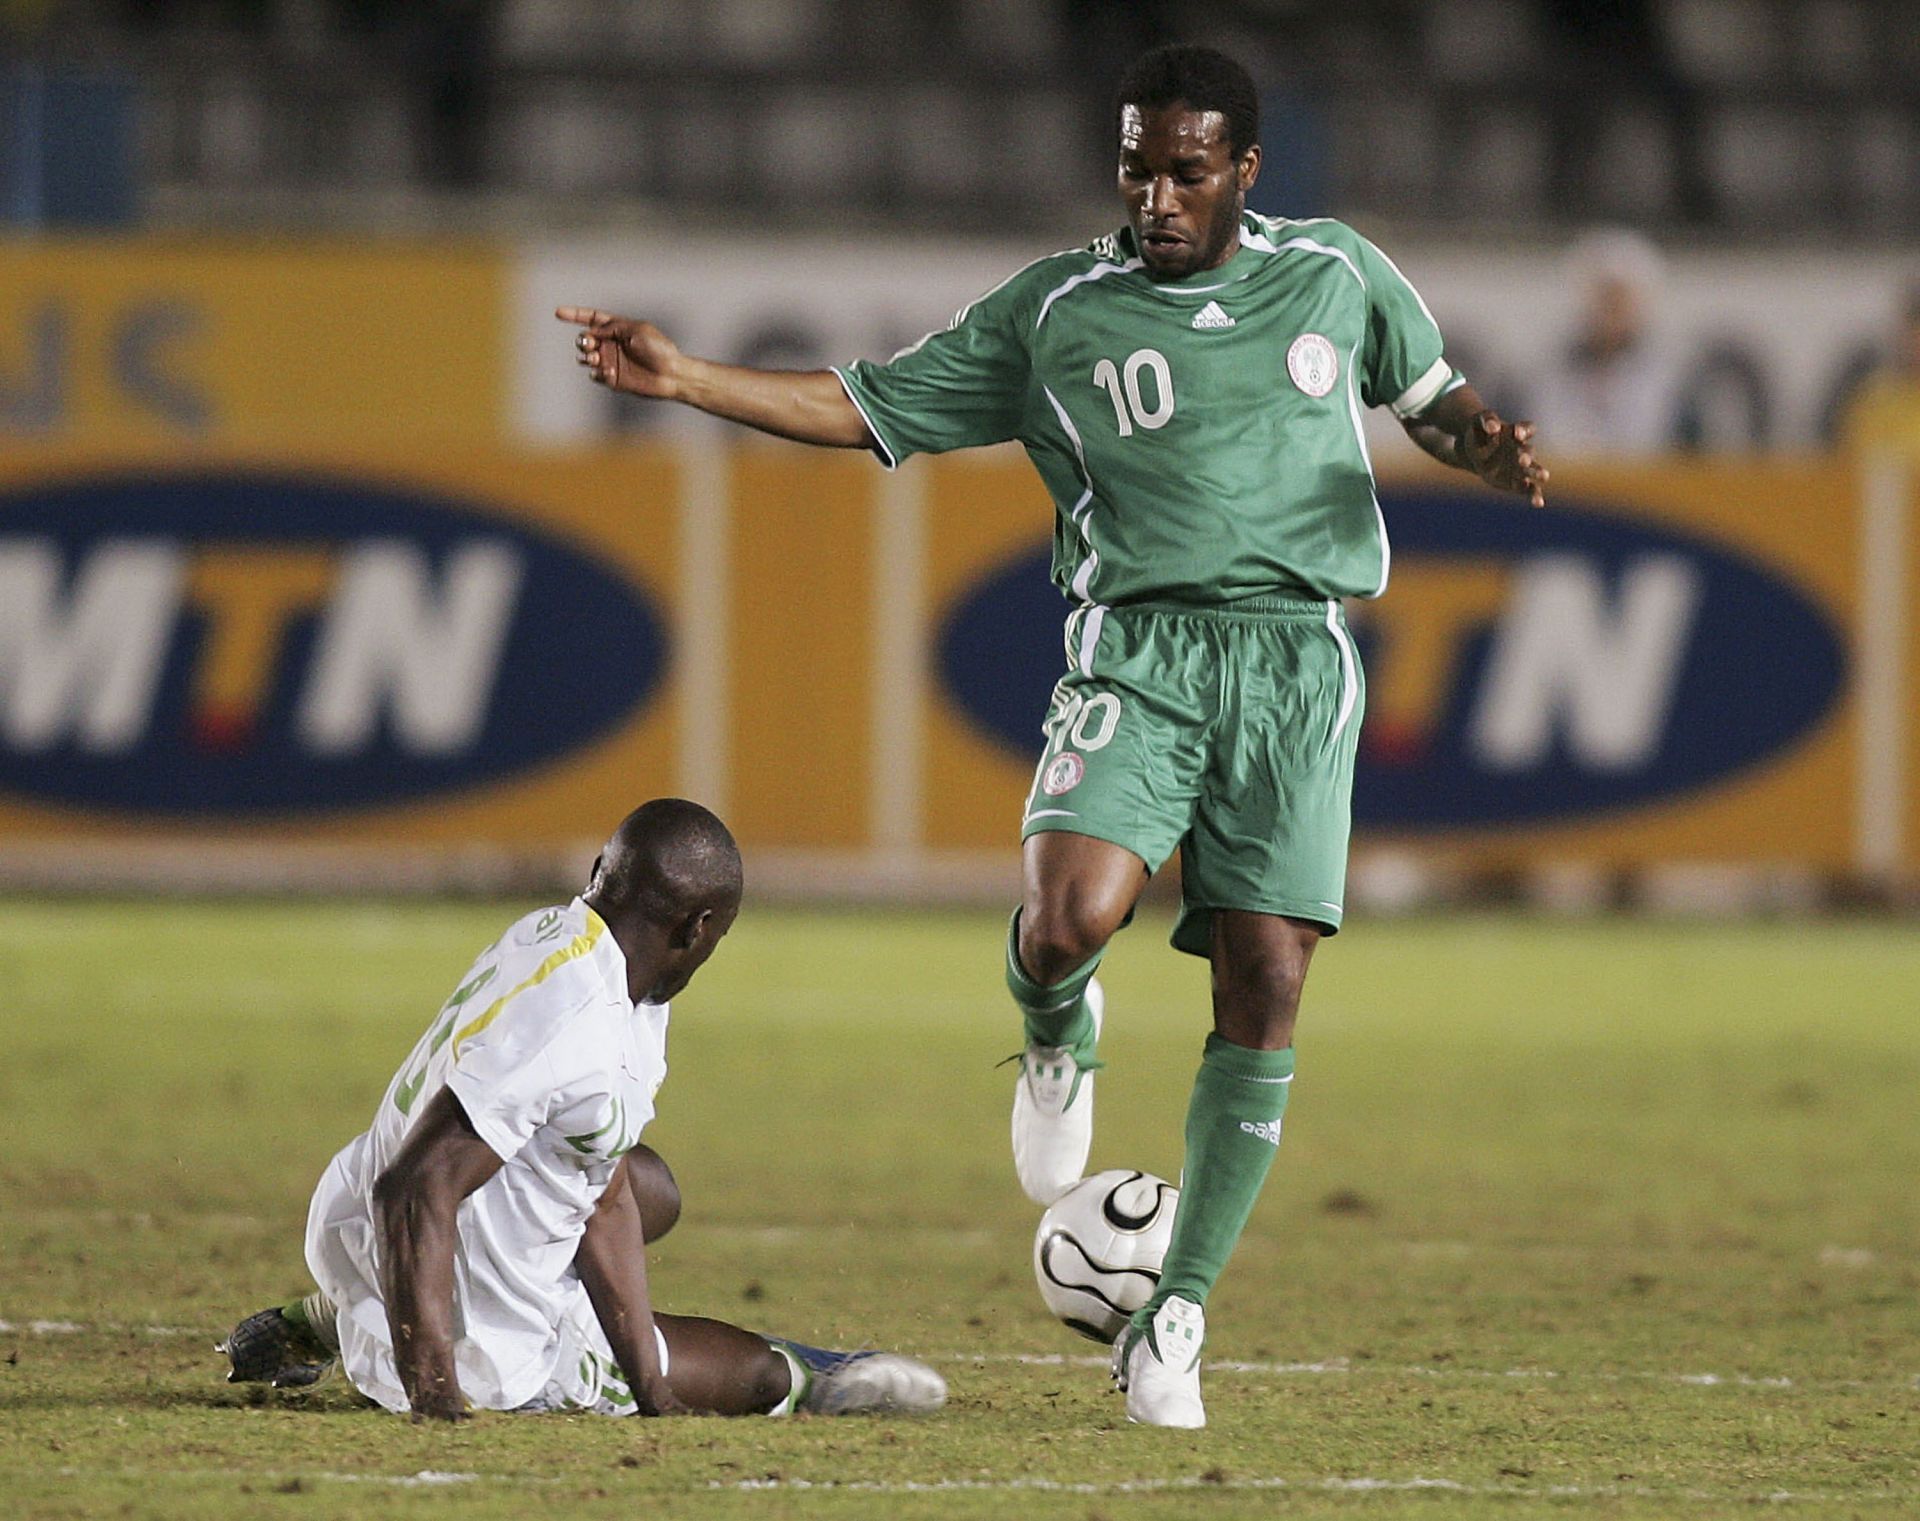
(588, 1377)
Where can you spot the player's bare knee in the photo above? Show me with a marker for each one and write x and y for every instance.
(1058, 939)
(655, 1190)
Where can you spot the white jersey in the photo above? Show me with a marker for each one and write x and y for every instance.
(557, 1069)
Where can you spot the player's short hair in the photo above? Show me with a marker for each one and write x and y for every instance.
(1203, 79)
(668, 858)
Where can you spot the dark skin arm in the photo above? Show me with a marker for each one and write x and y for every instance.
(809, 406)
(414, 1204)
(612, 1262)
(812, 407)
(1463, 431)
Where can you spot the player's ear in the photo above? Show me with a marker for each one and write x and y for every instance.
(1249, 166)
(690, 930)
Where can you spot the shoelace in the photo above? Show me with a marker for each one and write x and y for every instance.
(1084, 1063)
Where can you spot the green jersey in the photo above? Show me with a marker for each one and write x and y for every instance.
(1201, 438)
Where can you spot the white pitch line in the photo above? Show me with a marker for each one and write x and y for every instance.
(426, 1478)
(75, 1328)
(1336, 1485)
(1332, 1484)
(1341, 1366)
(1337, 1367)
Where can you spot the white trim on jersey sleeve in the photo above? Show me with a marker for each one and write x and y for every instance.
(888, 456)
(1424, 392)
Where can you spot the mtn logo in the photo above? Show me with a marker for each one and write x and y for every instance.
(230, 645)
(1525, 668)
(1210, 316)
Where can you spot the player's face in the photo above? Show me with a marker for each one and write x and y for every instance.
(1183, 187)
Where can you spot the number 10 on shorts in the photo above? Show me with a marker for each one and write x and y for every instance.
(1085, 723)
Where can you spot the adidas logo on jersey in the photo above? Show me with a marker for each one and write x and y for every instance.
(1210, 316)
(1268, 1131)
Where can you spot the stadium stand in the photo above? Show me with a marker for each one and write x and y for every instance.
(1722, 114)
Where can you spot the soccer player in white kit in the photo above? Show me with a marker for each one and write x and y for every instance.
(484, 1242)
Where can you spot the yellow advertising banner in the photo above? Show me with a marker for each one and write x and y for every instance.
(1666, 664)
(411, 647)
(418, 648)
(110, 342)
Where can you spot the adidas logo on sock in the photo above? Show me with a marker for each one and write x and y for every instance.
(1267, 1130)
(1210, 316)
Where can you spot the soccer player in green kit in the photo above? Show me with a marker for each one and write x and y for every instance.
(1190, 390)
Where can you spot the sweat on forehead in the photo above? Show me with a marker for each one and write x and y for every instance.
(1203, 127)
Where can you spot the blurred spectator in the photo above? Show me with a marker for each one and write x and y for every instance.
(448, 50)
(1613, 53)
(1885, 412)
(1613, 387)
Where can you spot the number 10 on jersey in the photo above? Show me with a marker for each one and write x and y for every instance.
(1122, 385)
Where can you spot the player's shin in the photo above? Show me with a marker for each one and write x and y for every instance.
(1233, 1130)
(1057, 1015)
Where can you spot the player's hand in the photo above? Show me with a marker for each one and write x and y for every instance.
(622, 354)
(1501, 454)
(657, 1399)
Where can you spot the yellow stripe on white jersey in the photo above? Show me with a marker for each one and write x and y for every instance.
(573, 950)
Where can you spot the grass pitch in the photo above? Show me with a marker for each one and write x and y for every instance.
(1610, 1219)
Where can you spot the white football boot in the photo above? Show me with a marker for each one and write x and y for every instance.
(875, 1383)
(1160, 1372)
(1053, 1113)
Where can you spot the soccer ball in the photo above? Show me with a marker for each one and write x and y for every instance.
(1098, 1251)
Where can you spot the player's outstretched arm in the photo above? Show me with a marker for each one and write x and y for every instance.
(414, 1204)
(809, 406)
(612, 1263)
(1463, 431)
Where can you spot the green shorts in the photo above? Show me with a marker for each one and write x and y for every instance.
(1228, 732)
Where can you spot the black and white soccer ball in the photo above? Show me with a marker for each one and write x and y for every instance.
(1098, 1251)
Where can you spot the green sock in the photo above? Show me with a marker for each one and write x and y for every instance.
(1233, 1130)
(314, 1316)
(1055, 1016)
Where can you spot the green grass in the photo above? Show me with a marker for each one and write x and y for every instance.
(1609, 1219)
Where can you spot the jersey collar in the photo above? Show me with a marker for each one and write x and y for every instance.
(618, 978)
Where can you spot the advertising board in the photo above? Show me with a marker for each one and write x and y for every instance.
(511, 647)
(161, 341)
(378, 647)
